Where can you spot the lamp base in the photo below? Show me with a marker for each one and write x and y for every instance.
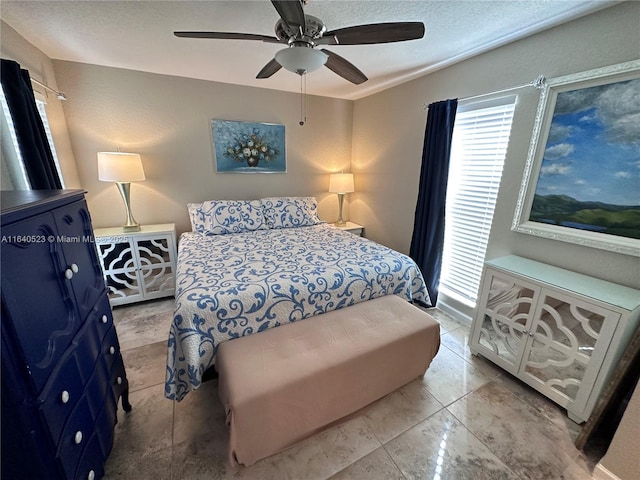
(125, 191)
(340, 222)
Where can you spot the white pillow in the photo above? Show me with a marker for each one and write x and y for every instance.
(286, 212)
(220, 217)
(194, 216)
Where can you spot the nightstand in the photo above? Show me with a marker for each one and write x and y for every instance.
(138, 265)
(352, 228)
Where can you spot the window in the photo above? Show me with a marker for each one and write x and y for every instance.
(41, 104)
(14, 175)
(479, 145)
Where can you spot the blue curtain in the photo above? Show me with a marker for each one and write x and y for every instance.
(428, 227)
(32, 138)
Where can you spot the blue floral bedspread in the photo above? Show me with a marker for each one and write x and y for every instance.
(228, 286)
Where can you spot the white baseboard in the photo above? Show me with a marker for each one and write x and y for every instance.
(602, 473)
(451, 307)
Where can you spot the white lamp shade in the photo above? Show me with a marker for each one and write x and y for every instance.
(341, 183)
(301, 59)
(120, 167)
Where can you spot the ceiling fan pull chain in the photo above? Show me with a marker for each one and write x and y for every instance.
(303, 99)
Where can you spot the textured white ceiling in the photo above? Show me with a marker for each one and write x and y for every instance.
(138, 35)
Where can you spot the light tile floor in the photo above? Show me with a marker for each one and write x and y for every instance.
(465, 419)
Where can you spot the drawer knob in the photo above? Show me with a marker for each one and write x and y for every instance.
(64, 397)
(68, 274)
(104, 319)
(74, 268)
(112, 349)
(92, 475)
(78, 437)
(119, 380)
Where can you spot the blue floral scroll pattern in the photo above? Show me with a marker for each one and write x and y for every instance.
(221, 217)
(286, 212)
(229, 286)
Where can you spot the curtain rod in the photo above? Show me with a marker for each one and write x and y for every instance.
(539, 83)
(60, 95)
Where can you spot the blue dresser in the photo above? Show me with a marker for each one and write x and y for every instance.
(62, 371)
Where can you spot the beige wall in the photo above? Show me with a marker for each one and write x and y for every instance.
(389, 130)
(167, 120)
(15, 47)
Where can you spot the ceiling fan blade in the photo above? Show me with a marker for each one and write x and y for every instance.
(378, 33)
(291, 12)
(344, 68)
(228, 36)
(269, 69)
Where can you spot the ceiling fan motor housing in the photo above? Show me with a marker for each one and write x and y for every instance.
(314, 28)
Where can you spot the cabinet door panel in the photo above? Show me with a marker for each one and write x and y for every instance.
(159, 281)
(156, 271)
(153, 251)
(567, 334)
(121, 272)
(117, 256)
(46, 323)
(505, 319)
(124, 285)
(76, 235)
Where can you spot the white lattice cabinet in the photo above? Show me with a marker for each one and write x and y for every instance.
(560, 332)
(138, 265)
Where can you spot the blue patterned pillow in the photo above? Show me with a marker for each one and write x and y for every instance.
(219, 217)
(286, 212)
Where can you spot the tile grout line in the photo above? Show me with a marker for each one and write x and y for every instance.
(393, 460)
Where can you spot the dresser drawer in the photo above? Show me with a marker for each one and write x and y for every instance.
(62, 394)
(87, 349)
(67, 383)
(91, 463)
(118, 377)
(104, 426)
(110, 348)
(98, 391)
(101, 316)
(77, 432)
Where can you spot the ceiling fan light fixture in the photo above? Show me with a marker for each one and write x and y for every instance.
(301, 60)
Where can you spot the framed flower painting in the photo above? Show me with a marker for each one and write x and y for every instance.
(582, 178)
(248, 147)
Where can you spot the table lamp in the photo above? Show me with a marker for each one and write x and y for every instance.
(122, 168)
(341, 183)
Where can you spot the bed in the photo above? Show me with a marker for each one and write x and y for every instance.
(250, 266)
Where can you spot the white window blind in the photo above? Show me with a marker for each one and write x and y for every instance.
(13, 166)
(479, 145)
(41, 105)
(11, 151)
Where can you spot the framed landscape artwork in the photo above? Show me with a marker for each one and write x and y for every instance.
(248, 147)
(582, 178)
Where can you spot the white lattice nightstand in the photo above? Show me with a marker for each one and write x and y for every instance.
(352, 228)
(138, 265)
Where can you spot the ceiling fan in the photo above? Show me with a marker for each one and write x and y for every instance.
(303, 33)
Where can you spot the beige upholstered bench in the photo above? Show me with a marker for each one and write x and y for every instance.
(285, 384)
